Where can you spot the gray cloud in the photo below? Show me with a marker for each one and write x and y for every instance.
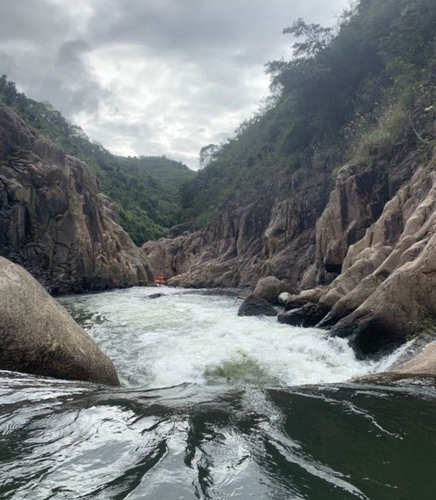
(33, 21)
(142, 77)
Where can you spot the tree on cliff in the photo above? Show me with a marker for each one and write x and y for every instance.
(207, 154)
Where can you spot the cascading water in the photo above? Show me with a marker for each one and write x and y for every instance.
(188, 337)
(213, 406)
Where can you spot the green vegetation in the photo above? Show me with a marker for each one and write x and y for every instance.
(347, 94)
(145, 189)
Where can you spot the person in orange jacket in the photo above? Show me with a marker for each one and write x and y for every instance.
(160, 280)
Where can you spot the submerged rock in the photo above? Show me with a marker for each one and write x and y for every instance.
(255, 306)
(39, 337)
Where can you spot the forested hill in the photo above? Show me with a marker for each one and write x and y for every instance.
(350, 118)
(145, 189)
(347, 92)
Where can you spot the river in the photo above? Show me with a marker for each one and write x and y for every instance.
(213, 406)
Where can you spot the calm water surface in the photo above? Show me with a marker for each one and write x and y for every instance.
(213, 406)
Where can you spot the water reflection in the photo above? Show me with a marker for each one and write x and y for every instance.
(192, 441)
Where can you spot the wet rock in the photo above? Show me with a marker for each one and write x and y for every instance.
(155, 295)
(370, 335)
(423, 363)
(255, 306)
(295, 317)
(307, 316)
(39, 337)
(295, 303)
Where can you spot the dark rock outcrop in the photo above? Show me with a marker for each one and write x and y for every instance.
(54, 222)
(39, 337)
(309, 315)
(255, 306)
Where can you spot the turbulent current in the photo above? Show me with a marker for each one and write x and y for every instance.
(214, 406)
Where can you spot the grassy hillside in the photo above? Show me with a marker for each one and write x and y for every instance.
(346, 93)
(146, 189)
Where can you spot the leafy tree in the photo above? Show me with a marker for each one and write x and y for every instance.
(207, 154)
(316, 38)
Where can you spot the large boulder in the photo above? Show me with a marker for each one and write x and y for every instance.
(270, 288)
(255, 306)
(38, 336)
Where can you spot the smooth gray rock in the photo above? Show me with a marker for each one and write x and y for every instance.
(39, 337)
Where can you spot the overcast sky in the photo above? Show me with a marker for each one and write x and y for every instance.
(151, 77)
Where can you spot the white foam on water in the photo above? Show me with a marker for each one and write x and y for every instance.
(184, 337)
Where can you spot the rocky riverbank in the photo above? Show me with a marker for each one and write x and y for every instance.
(366, 261)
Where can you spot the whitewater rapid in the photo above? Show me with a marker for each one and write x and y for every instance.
(186, 337)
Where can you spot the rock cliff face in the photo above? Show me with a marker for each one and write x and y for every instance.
(303, 239)
(54, 222)
(368, 259)
(223, 254)
(271, 235)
